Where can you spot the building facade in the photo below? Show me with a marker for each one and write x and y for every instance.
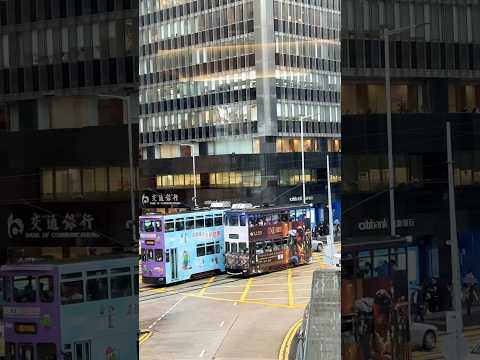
(68, 88)
(435, 78)
(234, 79)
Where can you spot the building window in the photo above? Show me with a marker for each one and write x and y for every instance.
(47, 182)
(288, 145)
(292, 177)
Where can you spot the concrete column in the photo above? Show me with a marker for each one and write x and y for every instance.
(265, 69)
(14, 119)
(92, 112)
(44, 113)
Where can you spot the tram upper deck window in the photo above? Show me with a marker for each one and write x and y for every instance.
(97, 289)
(45, 288)
(121, 286)
(169, 226)
(148, 226)
(158, 255)
(190, 223)
(199, 222)
(71, 292)
(218, 220)
(243, 220)
(209, 221)
(144, 254)
(284, 216)
(233, 220)
(179, 224)
(24, 289)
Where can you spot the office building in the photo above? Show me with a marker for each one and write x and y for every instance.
(68, 86)
(234, 79)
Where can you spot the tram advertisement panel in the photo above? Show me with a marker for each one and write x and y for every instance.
(375, 318)
(288, 242)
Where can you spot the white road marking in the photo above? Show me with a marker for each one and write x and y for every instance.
(166, 313)
(222, 323)
(202, 353)
(235, 303)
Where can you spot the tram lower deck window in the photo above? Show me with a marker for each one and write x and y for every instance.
(210, 249)
(242, 247)
(200, 250)
(158, 255)
(234, 247)
(47, 351)
(227, 246)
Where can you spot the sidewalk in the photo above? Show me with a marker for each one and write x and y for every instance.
(438, 319)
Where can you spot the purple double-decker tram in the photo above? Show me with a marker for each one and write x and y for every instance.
(81, 309)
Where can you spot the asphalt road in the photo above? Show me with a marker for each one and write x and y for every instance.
(225, 317)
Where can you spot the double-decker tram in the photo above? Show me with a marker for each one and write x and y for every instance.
(266, 239)
(71, 310)
(182, 246)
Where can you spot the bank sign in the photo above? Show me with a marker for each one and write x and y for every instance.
(40, 226)
(369, 225)
(158, 199)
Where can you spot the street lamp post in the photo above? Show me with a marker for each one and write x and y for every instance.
(192, 149)
(303, 159)
(388, 107)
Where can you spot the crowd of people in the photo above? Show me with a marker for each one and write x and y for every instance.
(435, 296)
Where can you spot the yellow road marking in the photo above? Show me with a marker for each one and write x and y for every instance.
(144, 337)
(206, 285)
(297, 306)
(290, 288)
(287, 341)
(245, 291)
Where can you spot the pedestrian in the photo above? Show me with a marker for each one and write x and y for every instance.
(435, 295)
(418, 302)
(470, 282)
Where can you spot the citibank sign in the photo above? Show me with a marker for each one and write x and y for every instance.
(369, 225)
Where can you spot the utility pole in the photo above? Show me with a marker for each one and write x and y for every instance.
(388, 104)
(456, 280)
